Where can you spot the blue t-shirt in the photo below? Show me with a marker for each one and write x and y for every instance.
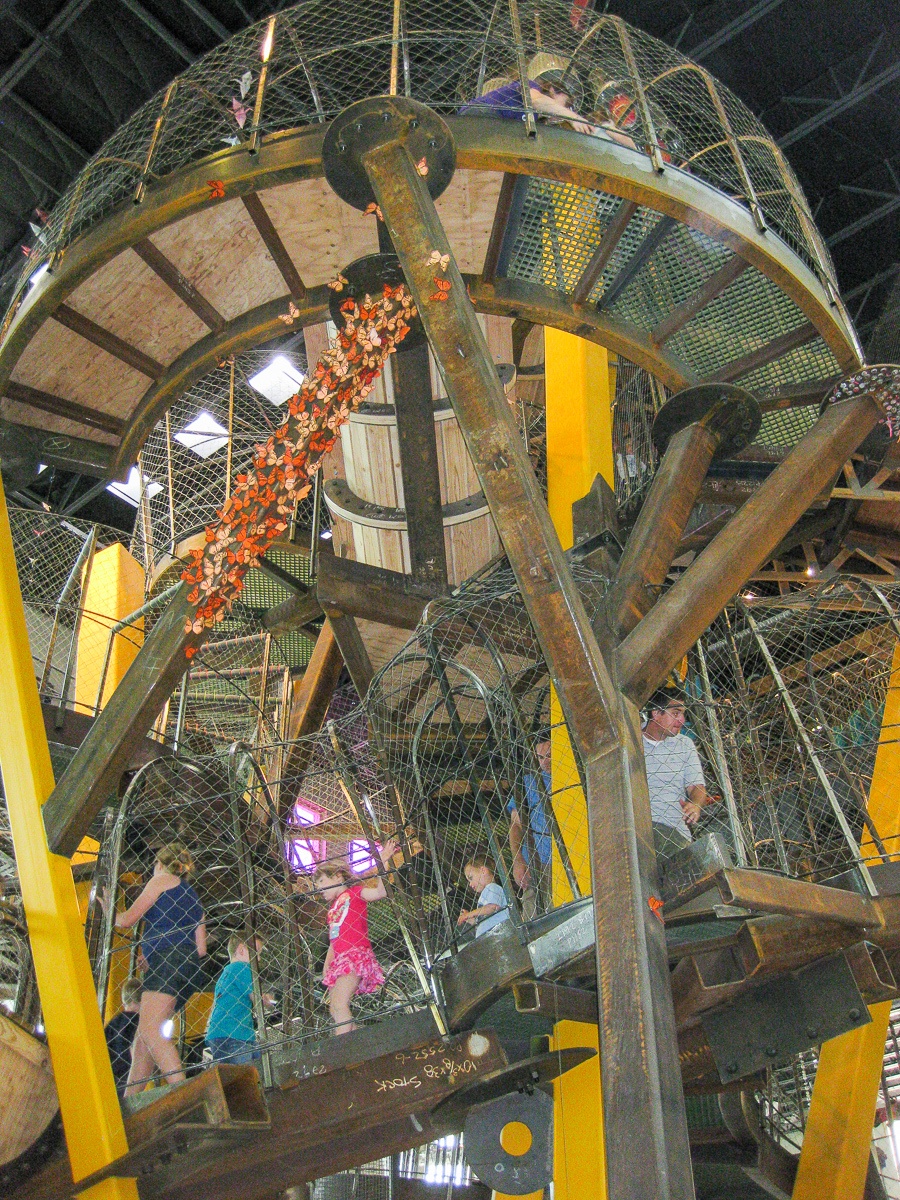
(492, 894)
(171, 921)
(505, 101)
(232, 1010)
(537, 821)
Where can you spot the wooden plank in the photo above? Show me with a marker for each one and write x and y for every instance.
(373, 593)
(34, 398)
(419, 464)
(311, 696)
(685, 312)
(109, 342)
(606, 247)
(767, 353)
(176, 282)
(275, 246)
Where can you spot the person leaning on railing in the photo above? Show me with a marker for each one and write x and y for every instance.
(553, 92)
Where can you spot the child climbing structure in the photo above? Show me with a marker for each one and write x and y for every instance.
(502, 621)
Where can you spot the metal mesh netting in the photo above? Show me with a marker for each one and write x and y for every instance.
(321, 61)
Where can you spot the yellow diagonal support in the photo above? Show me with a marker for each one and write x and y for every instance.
(579, 447)
(95, 1134)
(838, 1137)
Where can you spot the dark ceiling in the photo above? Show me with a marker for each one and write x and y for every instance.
(824, 76)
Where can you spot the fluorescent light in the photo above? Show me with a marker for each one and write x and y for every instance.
(204, 435)
(278, 381)
(130, 490)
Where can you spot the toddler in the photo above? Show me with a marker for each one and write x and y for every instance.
(492, 908)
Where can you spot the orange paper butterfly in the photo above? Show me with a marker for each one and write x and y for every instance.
(291, 315)
(373, 208)
(656, 907)
(216, 189)
(422, 167)
(443, 289)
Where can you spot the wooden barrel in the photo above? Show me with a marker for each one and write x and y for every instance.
(28, 1103)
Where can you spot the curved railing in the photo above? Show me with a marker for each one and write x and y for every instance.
(305, 65)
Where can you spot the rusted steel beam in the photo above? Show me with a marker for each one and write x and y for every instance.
(116, 346)
(97, 766)
(419, 464)
(59, 407)
(606, 247)
(311, 697)
(373, 593)
(177, 283)
(633, 267)
(669, 630)
(636, 1019)
(797, 395)
(275, 246)
(685, 312)
(661, 522)
(511, 190)
(353, 649)
(765, 892)
(777, 348)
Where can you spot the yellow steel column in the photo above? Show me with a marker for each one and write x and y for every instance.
(579, 447)
(838, 1138)
(115, 590)
(95, 1134)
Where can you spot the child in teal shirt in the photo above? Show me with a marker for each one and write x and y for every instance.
(230, 1034)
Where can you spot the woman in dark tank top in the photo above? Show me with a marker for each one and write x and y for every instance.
(174, 942)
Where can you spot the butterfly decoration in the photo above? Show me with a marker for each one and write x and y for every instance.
(441, 261)
(239, 111)
(373, 208)
(291, 315)
(216, 189)
(443, 290)
(338, 284)
(469, 294)
(422, 167)
(656, 907)
(244, 83)
(225, 362)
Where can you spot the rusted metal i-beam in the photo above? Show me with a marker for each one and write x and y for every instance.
(667, 632)
(645, 1127)
(709, 422)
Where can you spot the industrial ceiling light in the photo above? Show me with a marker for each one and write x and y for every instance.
(277, 381)
(204, 435)
(130, 490)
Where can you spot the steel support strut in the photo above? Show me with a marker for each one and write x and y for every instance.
(645, 1127)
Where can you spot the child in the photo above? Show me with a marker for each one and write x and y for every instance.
(230, 1034)
(350, 964)
(121, 1030)
(492, 908)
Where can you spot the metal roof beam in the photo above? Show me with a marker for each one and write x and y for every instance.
(753, 14)
(211, 22)
(147, 18)
(23, 63)
(45, 123)
(864, 222)
(842, 104)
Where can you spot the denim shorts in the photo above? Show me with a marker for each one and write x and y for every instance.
(175, 971)
(232, 1050)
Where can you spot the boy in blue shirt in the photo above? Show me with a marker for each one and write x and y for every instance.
(230, 1034)
(492, 908)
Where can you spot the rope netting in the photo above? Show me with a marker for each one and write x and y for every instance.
(321, 61)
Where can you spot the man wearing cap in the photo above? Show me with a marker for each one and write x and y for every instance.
(674, 777)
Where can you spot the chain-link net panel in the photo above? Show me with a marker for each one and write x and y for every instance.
(791, 710)
(320, 60)
(639, 397)
(192, 456)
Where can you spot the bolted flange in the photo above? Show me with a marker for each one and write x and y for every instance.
(366, 277)
(375, 121)
(729, 411)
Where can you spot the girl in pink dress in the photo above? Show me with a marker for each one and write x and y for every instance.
(350, 964)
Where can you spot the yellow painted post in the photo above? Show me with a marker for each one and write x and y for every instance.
(95, 1133)
(837, 1142)
(115, 589)
(579, 447)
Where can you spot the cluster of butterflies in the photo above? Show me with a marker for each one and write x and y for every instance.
(442, 262)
